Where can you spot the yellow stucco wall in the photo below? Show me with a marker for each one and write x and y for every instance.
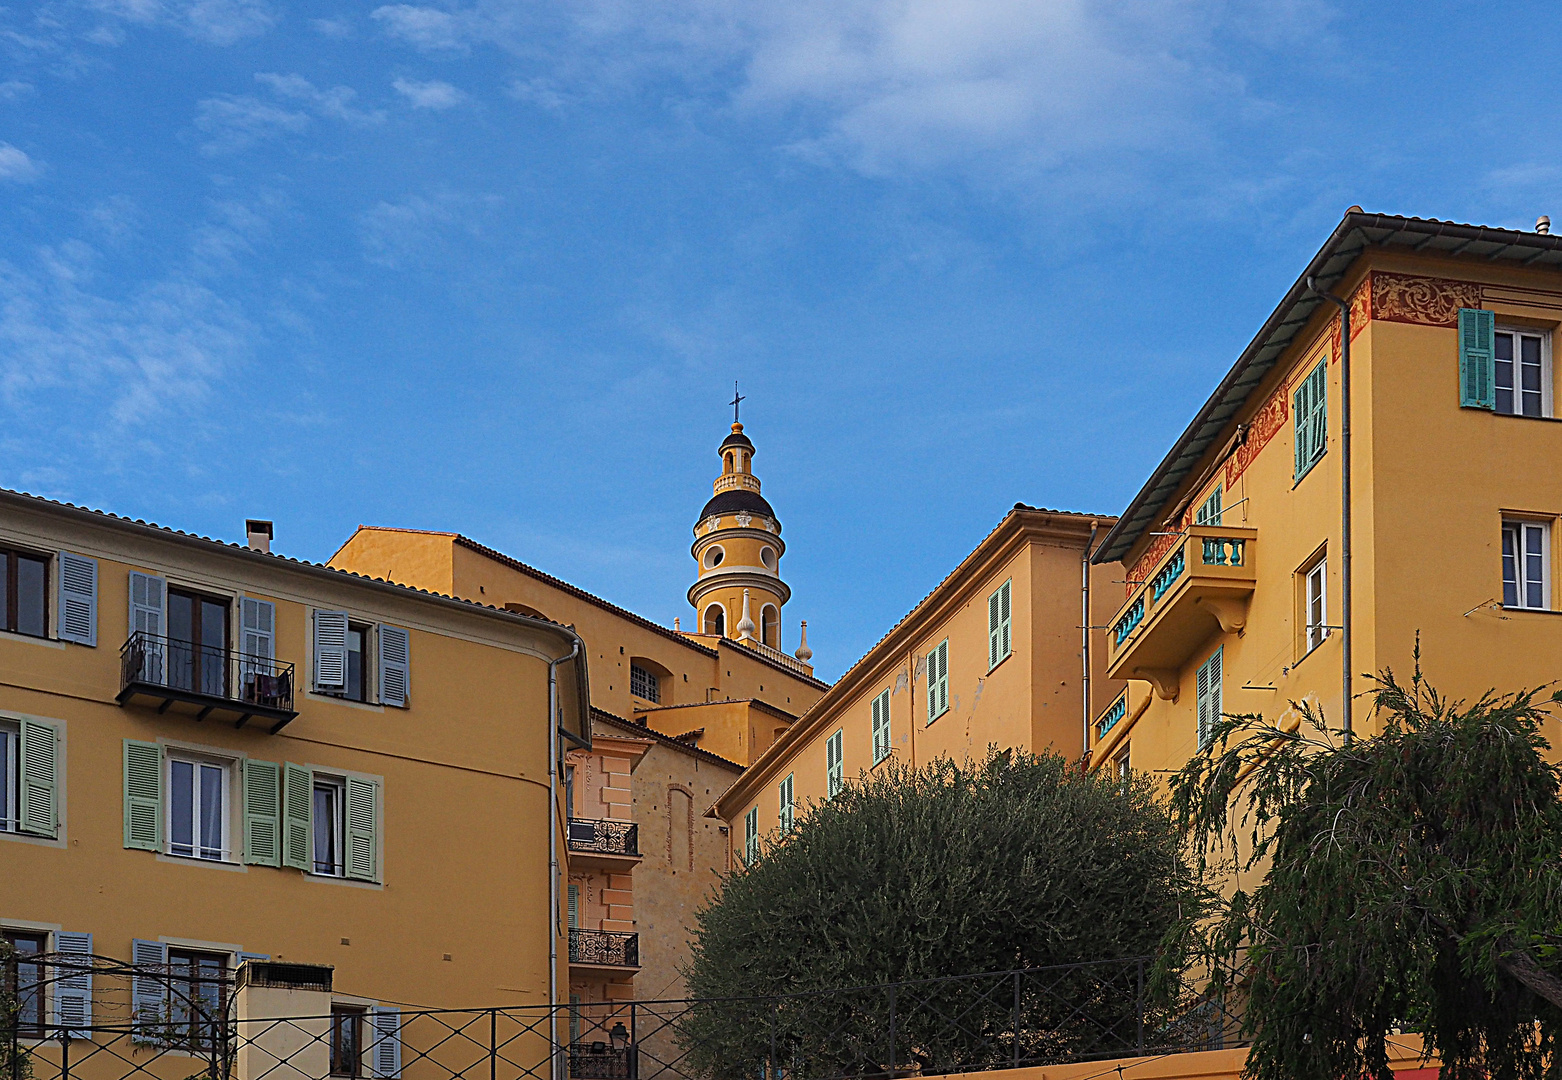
(1433, 483)
(463, 772)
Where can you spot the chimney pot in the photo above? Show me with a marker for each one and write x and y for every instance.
(1543, 224)
(257, 535)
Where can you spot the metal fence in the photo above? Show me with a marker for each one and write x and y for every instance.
(160, 1024)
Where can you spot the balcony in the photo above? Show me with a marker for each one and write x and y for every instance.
(205, 681)
(607, 949)
(612, 843)
(601, 1061)
(1203, 584)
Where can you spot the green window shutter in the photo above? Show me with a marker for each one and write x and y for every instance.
(574, 907)
(362, 829)
(38, 768)
(1208, 698)
(993, 655)
(1310, 422)
(1477, 363)
(1320, 403)
(938, 696)
(143, 795)
(932, 686)
(1299, 412)
(751, 835)
(1005, 622)
(881, 728)
(298, 790)
(263, 813)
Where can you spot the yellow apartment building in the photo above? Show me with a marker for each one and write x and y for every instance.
(209, 753)
(997, 654)
(1235, 542)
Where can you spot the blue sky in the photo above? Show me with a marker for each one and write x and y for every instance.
(493, 266)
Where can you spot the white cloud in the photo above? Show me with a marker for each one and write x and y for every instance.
(427, 28)
(237, 122)
(332, 28)
(335, 103)
(429, 95)
(14, 89)
(542, 92)
(219, 22)
(16, 165)
(414, 230)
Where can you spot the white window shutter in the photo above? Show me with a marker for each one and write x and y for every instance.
(395, 664)
(148, 616)
(148, 989)
(73, 991)
(78, 599)
(362, 860)
(330, 652)
(386, 1050)
(38, 804)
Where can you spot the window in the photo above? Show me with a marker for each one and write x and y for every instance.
(1209, 697)
(834, 767)
(770, 626)
(716, 621)
(938, 681)
(644, 684)
(23, 981)
(751, 836)
(23, 593)
(357, 671)
(767, 555)
(881, 730)
(1521, 372)
(197, 809)
(29, 778)
(714, 556)
(784, 818)
(197, 643)
(1315, 606)
(346, 1040)
(1209, 512)
(1123, 768)
(999, 636)
(1524, 583)
(197, 997)
(1310, 415)
(328, 823)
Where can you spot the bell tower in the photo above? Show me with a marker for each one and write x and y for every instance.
(739, 593)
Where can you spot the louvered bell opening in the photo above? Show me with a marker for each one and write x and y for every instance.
(286, 976)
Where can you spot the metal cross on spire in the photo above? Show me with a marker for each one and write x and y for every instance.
(737, 399)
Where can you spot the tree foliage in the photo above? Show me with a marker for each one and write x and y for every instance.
(1017, 861)
(1414, 883)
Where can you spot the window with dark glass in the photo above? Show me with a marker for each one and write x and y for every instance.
(1521, 372)
(644, 683)
(328, 820)
(357, 670)
(23, 981)
(197, 997)
(23, 596)
(197, 809)
(346, 1040)
(197, 643)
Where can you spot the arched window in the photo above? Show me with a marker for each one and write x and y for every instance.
(729, 461)
(650, 680)
(716, 620)
(770, 626)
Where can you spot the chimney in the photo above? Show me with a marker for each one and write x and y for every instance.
(1543, 225)
(257, 535)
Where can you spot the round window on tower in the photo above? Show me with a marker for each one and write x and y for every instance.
(713, 556)
(767, 555)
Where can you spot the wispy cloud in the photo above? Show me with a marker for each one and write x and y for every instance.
(16, 165)
(412, 231)
(543, 92)
(332, 28)
(14, 89)
(235, 122)
(425, 27)
(218, 22)
(429, 95)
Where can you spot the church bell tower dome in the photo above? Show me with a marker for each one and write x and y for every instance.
(737, 547)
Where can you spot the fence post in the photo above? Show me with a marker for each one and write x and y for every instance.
(770, 1066)
(634, 1044)
(65, 1054)
(1016, 1019)
(493, 1044)
(1139, 1003)
(892, 1031)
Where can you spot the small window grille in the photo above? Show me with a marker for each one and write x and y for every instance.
(644, 684)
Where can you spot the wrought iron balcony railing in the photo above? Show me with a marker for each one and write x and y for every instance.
(604, 837)
(608, 948)
(205, 679)
(601, 1061)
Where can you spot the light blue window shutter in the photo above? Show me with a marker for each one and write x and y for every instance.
(73, 987)
(362, 829)
(1005, 622)
(298, 790)
(1477, 358)
(148, 610)
(143, 795)
(255, 957)
(78, 599)
(148, 988)
(386, 1051)
(38, 768)
(993, 621)
(330, 651)
(263, 813)
(395, 665)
